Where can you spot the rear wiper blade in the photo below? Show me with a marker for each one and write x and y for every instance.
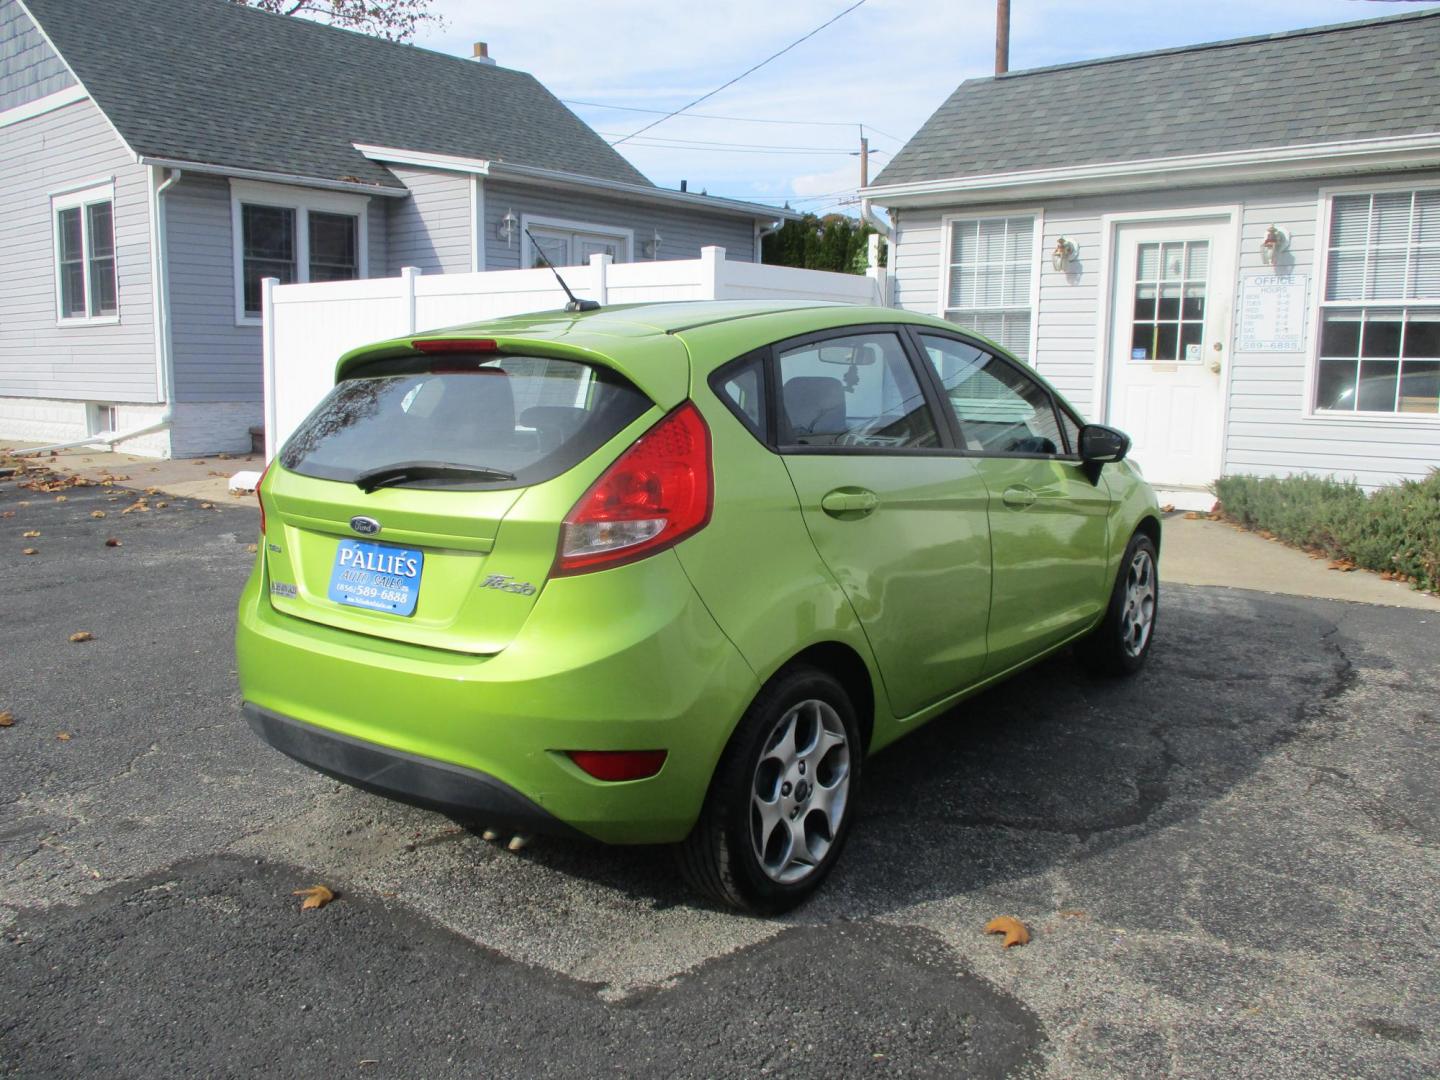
(402, 472)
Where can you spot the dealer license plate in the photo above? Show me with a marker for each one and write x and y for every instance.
(380, 577)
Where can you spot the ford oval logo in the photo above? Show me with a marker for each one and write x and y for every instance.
(365, 526)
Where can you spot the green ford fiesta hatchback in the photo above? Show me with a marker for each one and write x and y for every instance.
(670, 573)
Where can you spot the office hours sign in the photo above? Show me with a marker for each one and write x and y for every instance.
(1272, 313)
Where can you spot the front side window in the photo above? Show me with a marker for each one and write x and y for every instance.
(1380, 316)
(1001, 410)
(85, 255)
(991, 261)
(858, 392)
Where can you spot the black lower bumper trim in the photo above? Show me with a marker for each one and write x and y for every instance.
(435, 785)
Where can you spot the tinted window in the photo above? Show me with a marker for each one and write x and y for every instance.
(530, 416)
(742, 387)
(1001, 409)
(857, 391)
(1071, 427)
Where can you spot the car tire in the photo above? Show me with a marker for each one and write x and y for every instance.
(1120, 644)
(781, 801)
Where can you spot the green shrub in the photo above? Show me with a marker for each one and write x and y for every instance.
(1394, 529)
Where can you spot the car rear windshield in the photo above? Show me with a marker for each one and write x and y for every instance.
(469, 421)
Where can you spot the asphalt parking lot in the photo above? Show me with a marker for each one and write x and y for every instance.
(1229, 865)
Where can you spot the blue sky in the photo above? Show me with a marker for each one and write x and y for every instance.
(887, 65)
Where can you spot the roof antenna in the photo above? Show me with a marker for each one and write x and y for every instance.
(575, 303)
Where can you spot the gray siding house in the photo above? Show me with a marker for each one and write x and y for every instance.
(1231, 251)
(158, 158)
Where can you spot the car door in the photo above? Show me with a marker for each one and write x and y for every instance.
(898, 516)
(1048, 521)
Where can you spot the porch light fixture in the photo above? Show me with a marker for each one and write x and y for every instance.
(651, 247)
(507, 227)
(1276, 242)
(1064, 254)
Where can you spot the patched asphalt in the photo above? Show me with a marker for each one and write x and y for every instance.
(1228, 864)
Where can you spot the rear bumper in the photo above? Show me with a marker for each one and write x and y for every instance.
(434, 785)
(622, 659)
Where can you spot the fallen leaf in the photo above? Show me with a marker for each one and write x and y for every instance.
(1192, 516)
(7, 719)
(316, 897)
(110, 541)
(152, 491)
(1013, 929)
(31, 551)
(62, 498)
(222, 456)
(161, 505)
(64, 736)
(252, 548)
(82, 635)
(207, 506)
(97, 513)
(1266, 535)
(7, 513)
(1072, 913)
(30, 534)
(1345, 566)
(1168, 508)
(138, 504)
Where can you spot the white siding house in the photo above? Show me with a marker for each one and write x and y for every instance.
(145, 192)
(1129, 260)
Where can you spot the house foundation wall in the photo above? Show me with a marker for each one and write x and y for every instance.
(196, 429)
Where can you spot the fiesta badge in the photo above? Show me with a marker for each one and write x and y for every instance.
(365, 526)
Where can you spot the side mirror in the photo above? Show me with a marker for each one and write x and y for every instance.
(1100, 445)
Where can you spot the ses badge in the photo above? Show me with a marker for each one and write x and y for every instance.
(379, 577)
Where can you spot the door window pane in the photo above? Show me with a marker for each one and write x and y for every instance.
(269, 249)
(1001, 409)
(857, 391)
(334, 246)
(1169, 304)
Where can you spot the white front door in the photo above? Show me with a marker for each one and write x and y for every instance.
(1174, 284)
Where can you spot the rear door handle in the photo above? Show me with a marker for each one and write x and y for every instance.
(1018, 497)
(847, 502)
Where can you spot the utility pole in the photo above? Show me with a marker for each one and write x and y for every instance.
(864, 159)
(1002, 36)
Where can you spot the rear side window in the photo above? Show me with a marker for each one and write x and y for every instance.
(527, 417)
(858, 392)
(741, 385)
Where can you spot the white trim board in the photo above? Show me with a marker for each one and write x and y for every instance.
(1269, 163)
(42, 105)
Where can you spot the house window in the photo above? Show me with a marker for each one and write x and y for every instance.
(1380, 317)
(570, 243)
(293, 235)
(85, 276)
(992, 261)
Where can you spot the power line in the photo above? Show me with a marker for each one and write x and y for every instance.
(658, 140)
(735, 119)
(743, 74)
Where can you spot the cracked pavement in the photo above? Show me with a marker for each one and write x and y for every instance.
(1229, 866)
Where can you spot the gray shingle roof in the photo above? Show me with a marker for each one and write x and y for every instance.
(218, 83)
(1369, 79)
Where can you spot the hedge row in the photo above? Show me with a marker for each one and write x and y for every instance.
(1394, 529)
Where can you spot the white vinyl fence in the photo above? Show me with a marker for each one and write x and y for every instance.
(308, 327)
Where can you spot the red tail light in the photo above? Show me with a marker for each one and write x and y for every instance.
(615, 765)
(260, 498)
(659, 492)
